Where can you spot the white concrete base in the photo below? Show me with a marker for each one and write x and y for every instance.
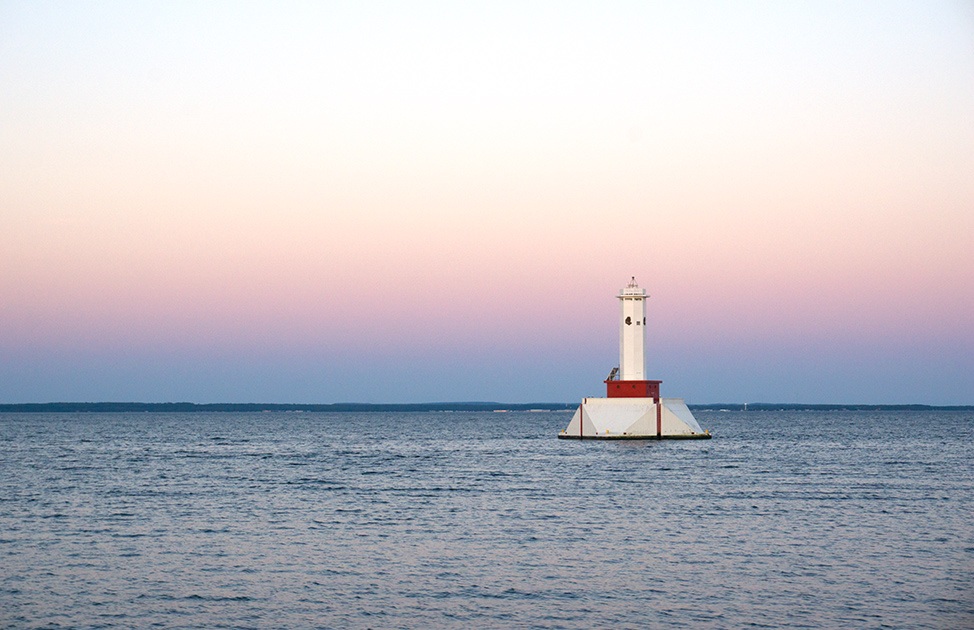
(633, 419)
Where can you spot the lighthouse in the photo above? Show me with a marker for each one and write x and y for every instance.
(632, 339)
(628, 380)
(632, 408)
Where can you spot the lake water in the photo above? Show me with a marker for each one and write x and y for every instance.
(302, 520)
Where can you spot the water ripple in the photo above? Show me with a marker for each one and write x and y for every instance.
(785, 519)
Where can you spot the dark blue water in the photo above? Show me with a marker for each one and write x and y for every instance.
(784, 519)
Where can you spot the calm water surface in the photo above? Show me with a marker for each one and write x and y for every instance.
(784, 519)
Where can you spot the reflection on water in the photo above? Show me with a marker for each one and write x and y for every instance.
(784, 519)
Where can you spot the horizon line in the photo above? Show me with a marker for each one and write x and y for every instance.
(472, 406)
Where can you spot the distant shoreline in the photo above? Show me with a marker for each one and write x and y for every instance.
(186, 407)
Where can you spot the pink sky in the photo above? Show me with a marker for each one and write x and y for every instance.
(297, 203)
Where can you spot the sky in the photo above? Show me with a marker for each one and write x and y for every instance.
(319, 202)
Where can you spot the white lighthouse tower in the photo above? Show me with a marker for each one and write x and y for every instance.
(632, 408)
(632, 338)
